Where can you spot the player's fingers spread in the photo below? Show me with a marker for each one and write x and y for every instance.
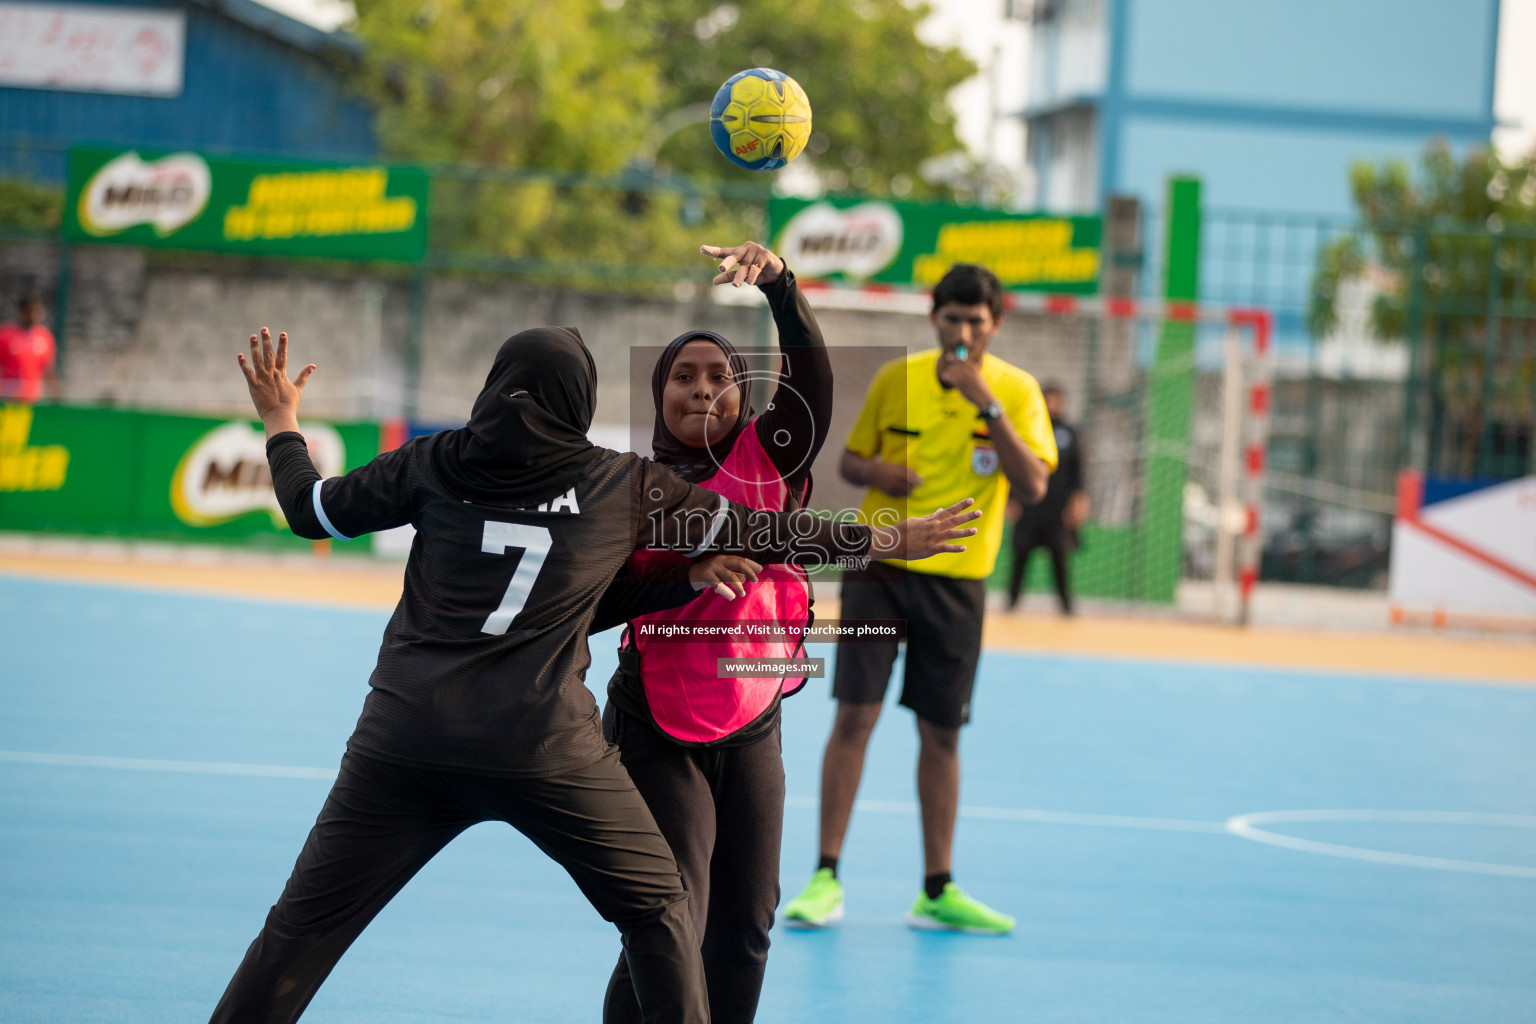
(754, 273)
(730, 260)
(723, 277)
(713, 251)
(303, 376)
(739, 275)
(282, 351)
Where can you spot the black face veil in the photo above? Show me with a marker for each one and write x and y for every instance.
(690, 463)
(526, 440)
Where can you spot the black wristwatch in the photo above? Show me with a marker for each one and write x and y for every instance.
(992, 411)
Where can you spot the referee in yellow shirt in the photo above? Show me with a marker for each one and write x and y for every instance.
(942, 425)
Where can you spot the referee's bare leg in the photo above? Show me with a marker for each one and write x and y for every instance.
(938, 791)
(841, 768)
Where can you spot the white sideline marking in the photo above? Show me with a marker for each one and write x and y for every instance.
(1028, 814)
(139, 764)
(1246, 826)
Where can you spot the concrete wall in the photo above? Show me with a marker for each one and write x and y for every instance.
(152, 332)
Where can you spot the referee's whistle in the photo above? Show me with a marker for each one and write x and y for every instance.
(961, 352)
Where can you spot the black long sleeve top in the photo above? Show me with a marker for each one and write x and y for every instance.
(795, 426)
(482, 662)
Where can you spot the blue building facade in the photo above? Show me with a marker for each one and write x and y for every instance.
(1269, 102)
(254, 81)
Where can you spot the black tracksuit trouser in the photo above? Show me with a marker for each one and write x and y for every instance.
(722, 811)
(382, 822)
(1052, 536)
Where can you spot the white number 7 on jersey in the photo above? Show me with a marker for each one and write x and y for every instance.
(497, 540)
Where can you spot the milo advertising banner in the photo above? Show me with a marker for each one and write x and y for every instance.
(185, 200)
(875, 242)
(153, 475)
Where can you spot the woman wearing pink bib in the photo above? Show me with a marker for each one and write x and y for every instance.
(703, 750)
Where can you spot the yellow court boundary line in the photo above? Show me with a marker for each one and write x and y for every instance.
(368, 585)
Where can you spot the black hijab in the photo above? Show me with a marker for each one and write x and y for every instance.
(690, 463)
(526, 440)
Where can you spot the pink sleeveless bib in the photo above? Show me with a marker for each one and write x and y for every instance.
(686, 697)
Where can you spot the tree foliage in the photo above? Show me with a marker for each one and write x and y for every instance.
(29, 207)
(582, 85)
(1432, 238)
(878, 94)
(1451, 251)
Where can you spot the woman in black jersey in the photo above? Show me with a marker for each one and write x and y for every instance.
(705, 751)
(476, 709)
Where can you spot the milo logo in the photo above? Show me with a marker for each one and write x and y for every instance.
(858, 242)
(168, 193)
(225, 475)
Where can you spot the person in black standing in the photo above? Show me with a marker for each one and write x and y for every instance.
(477, 710)
(1054, 521)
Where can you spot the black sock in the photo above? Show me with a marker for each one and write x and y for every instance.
(828, 862)
(933, 885)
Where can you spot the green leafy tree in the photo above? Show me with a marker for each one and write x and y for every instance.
(1452, 253)
(587, 86)
(29, 208)
(517, 84)
(879, 96)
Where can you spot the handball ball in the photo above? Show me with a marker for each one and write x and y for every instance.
(760, 119)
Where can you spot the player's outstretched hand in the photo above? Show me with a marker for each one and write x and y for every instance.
(723, 574)
(266, 375)
(923, 536)
(747, 263)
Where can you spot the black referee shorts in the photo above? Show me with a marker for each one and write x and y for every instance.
(943, 617)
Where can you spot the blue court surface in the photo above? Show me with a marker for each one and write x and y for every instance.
(164, 755)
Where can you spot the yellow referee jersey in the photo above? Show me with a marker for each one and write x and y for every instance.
(912, 419)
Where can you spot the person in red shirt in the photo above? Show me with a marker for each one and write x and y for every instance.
(27, 354)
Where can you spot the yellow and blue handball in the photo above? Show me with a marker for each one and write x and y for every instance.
(760, 119)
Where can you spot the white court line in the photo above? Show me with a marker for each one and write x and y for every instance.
(277, 771)
(1246, 826)
(1029, 814)
(139, 764)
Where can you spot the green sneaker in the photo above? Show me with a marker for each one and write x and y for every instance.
(820, 904)
(954, 911)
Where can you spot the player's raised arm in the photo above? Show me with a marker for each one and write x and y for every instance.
(794, 427)
(372, 497)
(747, 263)
(266, 376)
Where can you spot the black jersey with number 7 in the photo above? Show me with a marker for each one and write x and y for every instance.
(482, 663)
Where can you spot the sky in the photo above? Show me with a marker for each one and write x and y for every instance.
(978, 27)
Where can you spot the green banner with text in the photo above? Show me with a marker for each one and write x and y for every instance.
(155, 475)
(869, 241)
(266, 207)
